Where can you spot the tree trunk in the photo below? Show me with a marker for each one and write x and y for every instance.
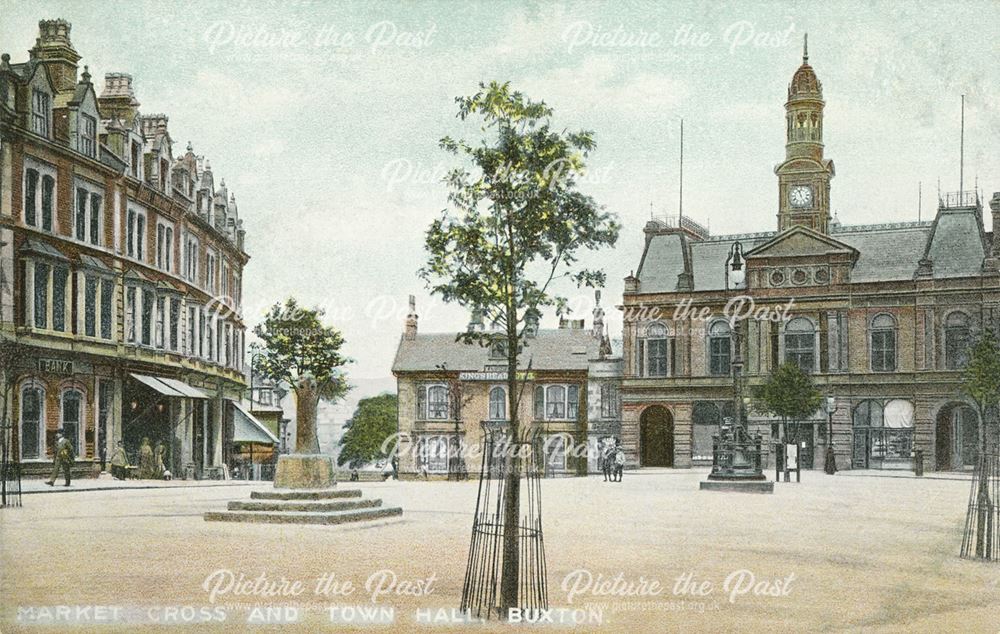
(984, 512)
(512, 488)
(306, 400)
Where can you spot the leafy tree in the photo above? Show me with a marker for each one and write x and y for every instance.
(297, 349)
(374, 420)
(981, 383)
(516, 226)
(788, 393)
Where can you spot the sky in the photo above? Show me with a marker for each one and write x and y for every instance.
(324, 119)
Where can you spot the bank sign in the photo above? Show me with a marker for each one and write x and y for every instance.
(55, 366)
(494, 376)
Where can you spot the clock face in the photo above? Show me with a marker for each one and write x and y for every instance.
(801, 196)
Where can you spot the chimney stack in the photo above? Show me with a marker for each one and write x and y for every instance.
(54, 49)
(598, 316)
(476, 320)
(118, 100)
(410, 330)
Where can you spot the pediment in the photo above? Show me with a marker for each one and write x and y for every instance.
(801, 241)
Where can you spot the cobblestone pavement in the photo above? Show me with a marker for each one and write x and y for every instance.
(839, 553)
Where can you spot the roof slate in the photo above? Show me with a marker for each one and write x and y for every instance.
(887, 252)
(556, 349)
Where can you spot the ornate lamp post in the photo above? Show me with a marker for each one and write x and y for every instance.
(830, 465)
(736, 462)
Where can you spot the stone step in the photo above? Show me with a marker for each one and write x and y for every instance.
(304, 505)
(301, 517)
(305, 494)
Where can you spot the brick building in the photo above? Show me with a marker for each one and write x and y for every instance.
(883, 317)
(122, 264)
(447, 388)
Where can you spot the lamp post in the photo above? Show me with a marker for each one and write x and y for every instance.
(830, 465)
(737, 456)
(736, 273)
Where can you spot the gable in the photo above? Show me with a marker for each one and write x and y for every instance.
(798, 242)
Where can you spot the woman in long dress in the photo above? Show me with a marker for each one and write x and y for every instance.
(146, 468)
(158, 467)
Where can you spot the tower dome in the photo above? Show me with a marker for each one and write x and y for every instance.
(805, 84)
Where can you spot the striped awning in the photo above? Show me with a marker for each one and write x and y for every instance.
(246, 428)
(168, 387)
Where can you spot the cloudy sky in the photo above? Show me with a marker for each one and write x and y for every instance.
(324, 119)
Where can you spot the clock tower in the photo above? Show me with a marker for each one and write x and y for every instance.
(804, 176)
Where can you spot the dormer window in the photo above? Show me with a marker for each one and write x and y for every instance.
(136, 158)
(41, 110)
(164, 171)
(88, 135)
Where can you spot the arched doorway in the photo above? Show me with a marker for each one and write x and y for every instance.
(956, 437)
(656, 442)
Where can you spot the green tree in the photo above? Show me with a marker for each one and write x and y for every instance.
(788, 393)
(298, 349)
(374, 420)
(981, 383)
(516, 226)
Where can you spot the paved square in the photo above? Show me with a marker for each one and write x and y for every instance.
(844, 553)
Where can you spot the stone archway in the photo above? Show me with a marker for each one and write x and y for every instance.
(656, 437)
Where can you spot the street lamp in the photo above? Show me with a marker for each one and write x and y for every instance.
(830, 466)
(737, 456)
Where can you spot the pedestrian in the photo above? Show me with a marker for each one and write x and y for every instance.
(607, 460)
(64, 456)
(395, 467)
(619, 461)
(158, 467)
(146, 464)
(119, 462)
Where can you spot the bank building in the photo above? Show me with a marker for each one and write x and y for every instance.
(884, 317)
(121, 267)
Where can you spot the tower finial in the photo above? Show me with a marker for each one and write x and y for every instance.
(805, 48)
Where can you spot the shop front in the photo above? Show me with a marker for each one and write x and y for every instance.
(253, 446)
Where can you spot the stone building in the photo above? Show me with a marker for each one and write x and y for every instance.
(881, 315)
(447, 388)
(122, 265)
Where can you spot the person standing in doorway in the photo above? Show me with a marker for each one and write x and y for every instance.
(64, 456)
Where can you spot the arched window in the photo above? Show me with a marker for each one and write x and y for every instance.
(498, 403)
(32, 422)
(868, 414)
(71, 419)
(957, 340)
(653, 351)
(883, 343)
(800, 344)
(719, 348)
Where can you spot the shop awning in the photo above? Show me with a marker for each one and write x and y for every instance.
(169, 387)
(246, 428)
(156, 384)
(187, 390)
